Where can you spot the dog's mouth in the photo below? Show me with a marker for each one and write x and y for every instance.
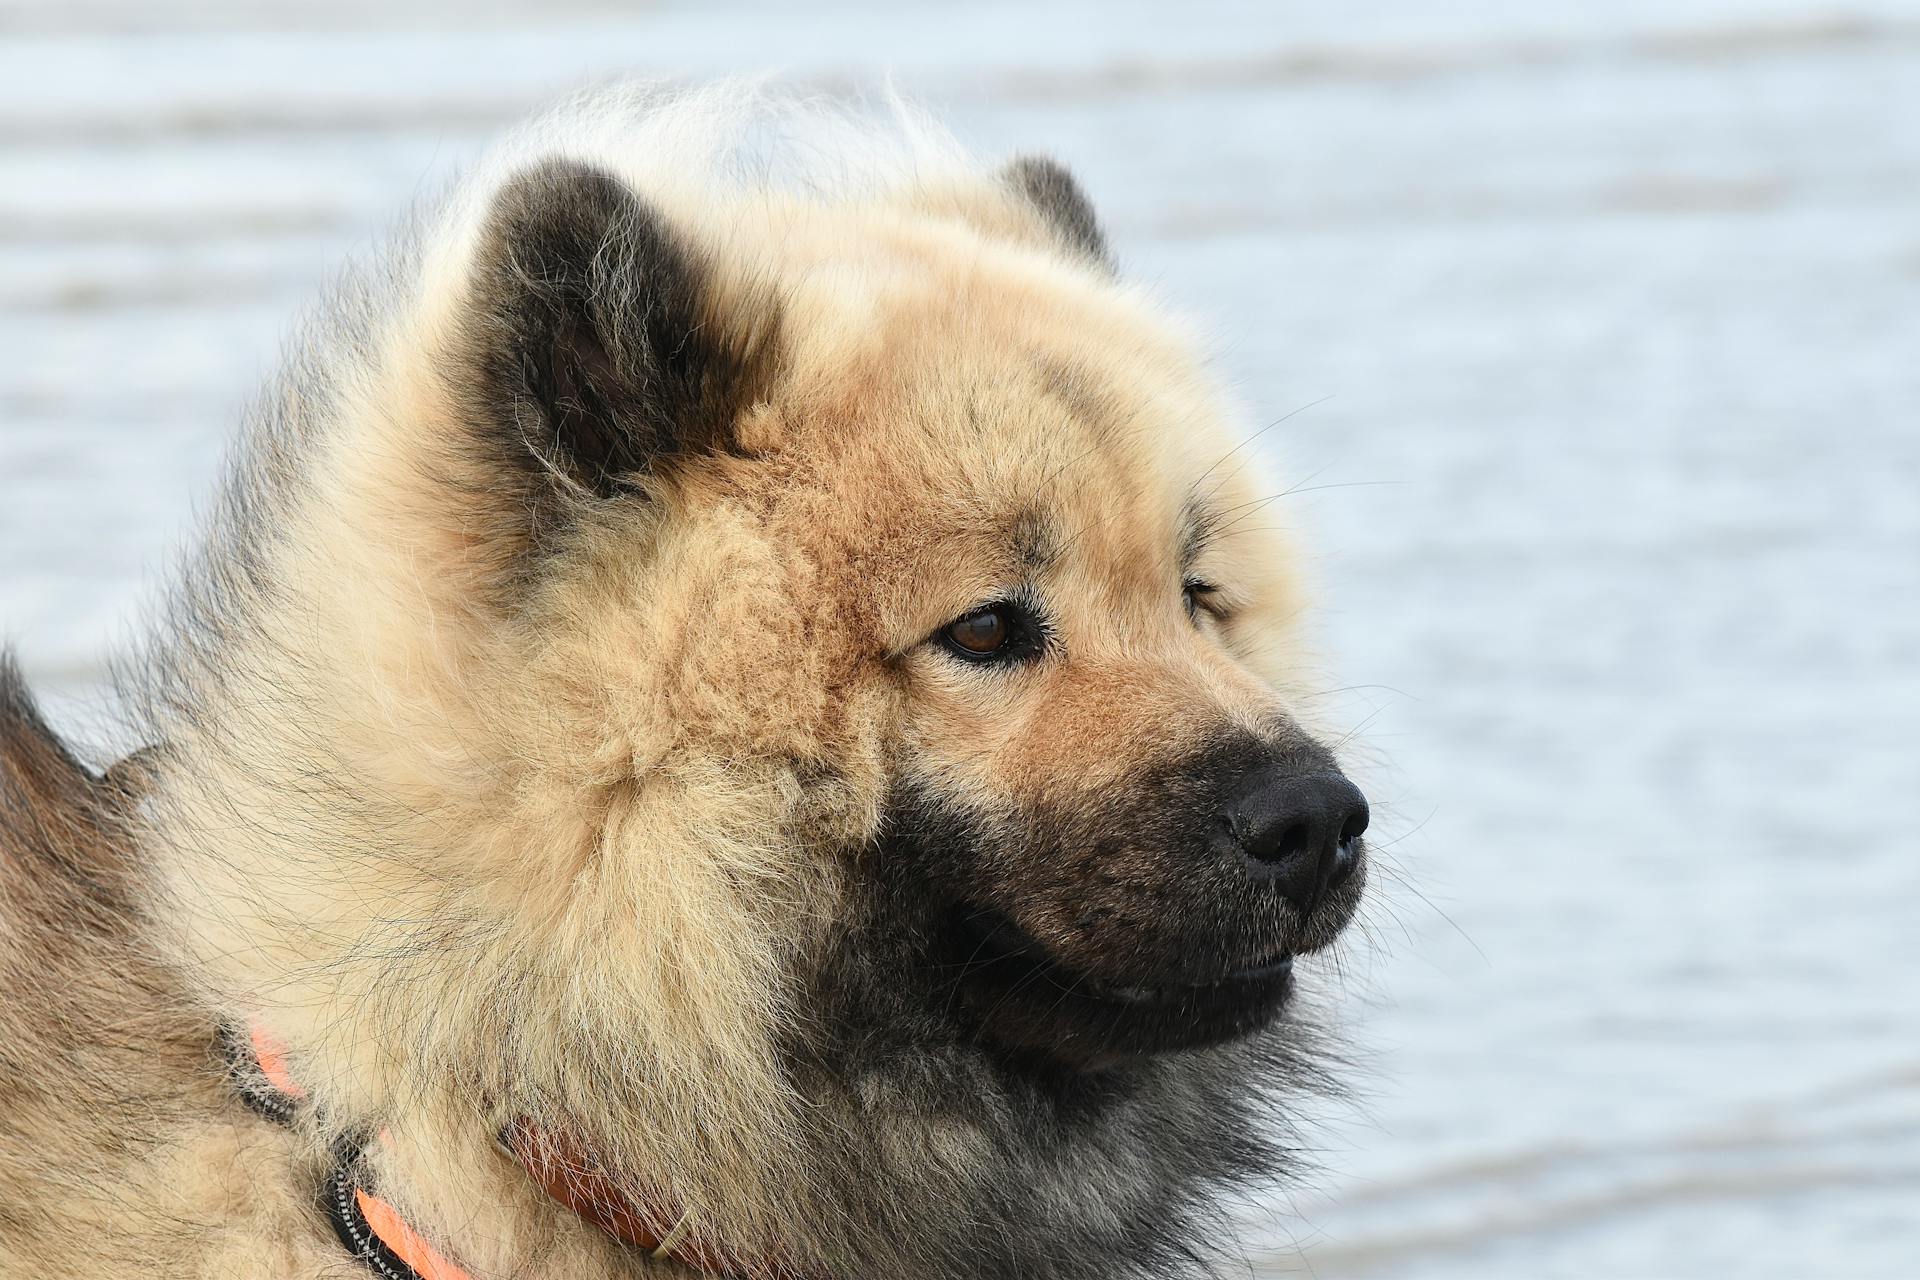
(1026, 997)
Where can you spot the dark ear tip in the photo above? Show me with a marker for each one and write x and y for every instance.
(1056, 194)
(1035, 172)
(596, 355)
(551, 173)
(557, 199)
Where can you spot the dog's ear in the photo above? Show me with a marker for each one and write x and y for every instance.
(1058, 198)
(601, 350)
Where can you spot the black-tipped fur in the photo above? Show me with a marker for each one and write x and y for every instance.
(1053, 191)
(1114, 1175)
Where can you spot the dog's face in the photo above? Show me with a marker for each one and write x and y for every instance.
(1095, 788)
(945, 532)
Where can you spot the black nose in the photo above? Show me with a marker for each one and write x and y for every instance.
(1300, 830)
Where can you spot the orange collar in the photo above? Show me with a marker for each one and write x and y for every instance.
(570, 1173)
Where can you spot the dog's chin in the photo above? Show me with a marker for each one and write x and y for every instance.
(1026, 999)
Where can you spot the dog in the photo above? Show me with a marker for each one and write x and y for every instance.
(732, 717)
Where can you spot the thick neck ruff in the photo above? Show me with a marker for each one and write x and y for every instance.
(373, 1231)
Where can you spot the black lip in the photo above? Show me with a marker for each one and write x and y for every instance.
(1283, 963)
(1028, 997)
(1179, 991)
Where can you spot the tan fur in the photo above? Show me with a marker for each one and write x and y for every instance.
(475, 853)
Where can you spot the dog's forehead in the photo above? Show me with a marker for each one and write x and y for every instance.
(1033, 400)
(1020, 455)
(987, 414)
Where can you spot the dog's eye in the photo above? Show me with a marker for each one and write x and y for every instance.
(982, 633)
(1001, 632)
(1197, 595)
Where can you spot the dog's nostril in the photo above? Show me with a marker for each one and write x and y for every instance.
(1298, 831)
(1355, 826)
(1345, 859)
(1296, 841)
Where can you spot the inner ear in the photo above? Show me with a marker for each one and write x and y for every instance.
(571, 381)
(1057, 197)
(600, 348)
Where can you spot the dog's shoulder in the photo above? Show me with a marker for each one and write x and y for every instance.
(111, 1098)
(56, 847)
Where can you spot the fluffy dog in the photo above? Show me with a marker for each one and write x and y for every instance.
(728, 721)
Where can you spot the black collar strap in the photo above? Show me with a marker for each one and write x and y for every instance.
(370, 1228)
(376, 1234)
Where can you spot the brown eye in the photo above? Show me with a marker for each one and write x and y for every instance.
(996, 634)
(981, 634)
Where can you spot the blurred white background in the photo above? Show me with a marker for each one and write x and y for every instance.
(1608, 318)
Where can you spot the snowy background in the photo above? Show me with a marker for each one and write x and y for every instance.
(1608, 316)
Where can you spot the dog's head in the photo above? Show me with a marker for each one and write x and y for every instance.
(915, 518)
(792, 688)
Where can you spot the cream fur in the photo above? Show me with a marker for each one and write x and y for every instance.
(478, 846)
